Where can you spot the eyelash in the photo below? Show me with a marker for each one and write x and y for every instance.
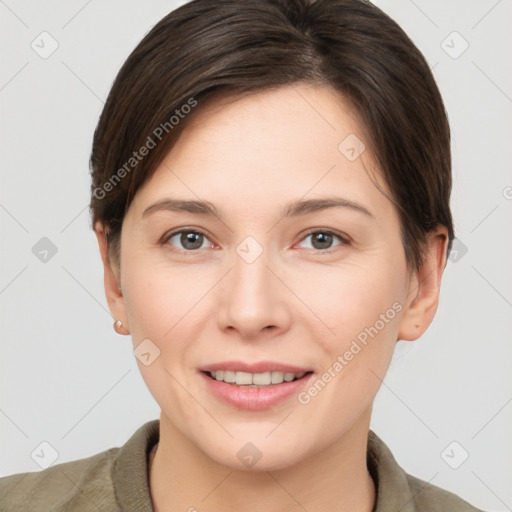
(343, 239)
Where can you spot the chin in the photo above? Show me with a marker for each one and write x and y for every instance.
(258, 455)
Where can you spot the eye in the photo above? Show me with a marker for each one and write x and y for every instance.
(323, 239)
(190, 240)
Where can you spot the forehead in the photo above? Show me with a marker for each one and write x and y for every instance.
(288, 122)
(290, 142)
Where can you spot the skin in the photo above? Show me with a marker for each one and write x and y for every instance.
(297, 303)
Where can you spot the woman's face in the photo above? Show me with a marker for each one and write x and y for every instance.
(273, 283)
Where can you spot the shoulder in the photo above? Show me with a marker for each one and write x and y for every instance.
(398, 490)
(82, 485)
(429, 498)
(110, 481)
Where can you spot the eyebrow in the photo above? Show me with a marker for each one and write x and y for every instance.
(293, 209)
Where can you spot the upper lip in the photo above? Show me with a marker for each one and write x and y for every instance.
(257, 367)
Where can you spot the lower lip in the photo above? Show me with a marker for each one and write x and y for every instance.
(254, 399)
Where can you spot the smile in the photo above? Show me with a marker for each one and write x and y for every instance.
(254, 387)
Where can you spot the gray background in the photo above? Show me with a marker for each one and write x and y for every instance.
(69, 380)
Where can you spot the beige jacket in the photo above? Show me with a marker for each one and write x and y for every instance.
(117, 480)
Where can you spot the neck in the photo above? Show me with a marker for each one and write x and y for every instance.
(182, 477)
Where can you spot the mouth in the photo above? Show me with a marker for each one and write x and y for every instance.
(266, 386)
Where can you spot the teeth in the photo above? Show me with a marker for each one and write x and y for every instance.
(277, 377)
(261, 379)
(243, 379)
(255, 379)
(228, 376)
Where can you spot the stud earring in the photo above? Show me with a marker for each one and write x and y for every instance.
(117, 327)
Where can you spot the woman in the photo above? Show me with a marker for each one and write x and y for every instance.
(270, 193)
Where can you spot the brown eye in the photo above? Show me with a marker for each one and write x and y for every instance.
(322, 240)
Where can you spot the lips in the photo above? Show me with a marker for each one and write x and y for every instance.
(255, 386)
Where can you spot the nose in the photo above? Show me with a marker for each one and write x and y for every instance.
(254, 302)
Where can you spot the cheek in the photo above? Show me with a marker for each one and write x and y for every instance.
(364, 314)
(351, 299)
(363, 306)
(158, 298)
(160, 306)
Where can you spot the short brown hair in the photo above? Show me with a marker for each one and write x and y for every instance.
(206, 48)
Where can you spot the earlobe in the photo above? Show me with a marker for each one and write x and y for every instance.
(423, 296)
(111, 278)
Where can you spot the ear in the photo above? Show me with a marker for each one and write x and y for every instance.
(112, 282)
(423, 296)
